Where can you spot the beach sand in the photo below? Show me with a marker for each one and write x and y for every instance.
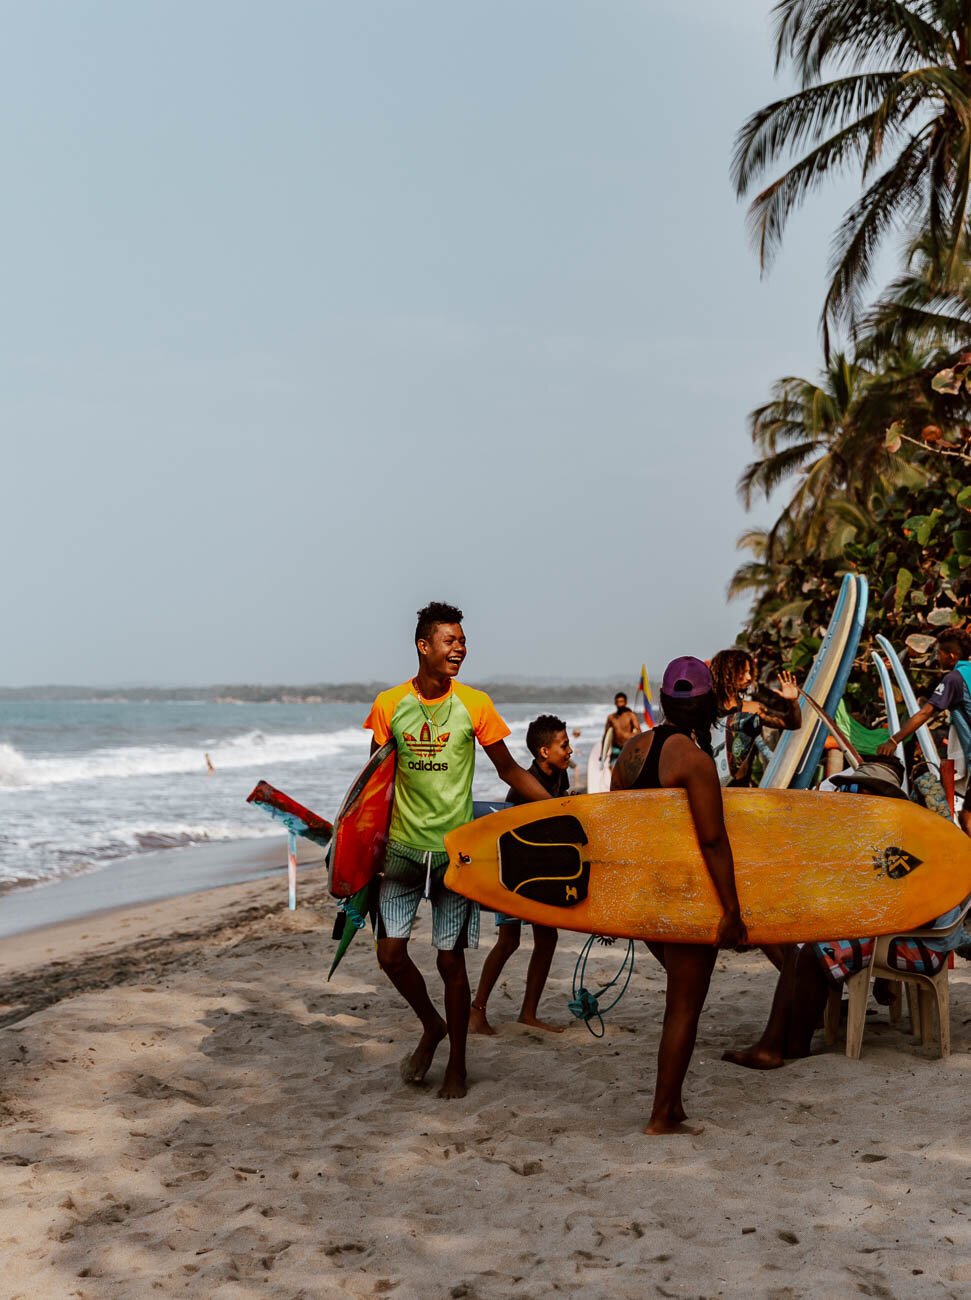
(191, 1109)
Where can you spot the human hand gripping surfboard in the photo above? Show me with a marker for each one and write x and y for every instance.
(807, 866)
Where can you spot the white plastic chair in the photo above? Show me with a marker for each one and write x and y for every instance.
(924, 993)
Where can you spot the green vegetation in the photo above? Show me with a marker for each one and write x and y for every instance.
(874, 454)
(544, 692)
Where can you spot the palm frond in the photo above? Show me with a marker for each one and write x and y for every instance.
(783, 126)
(814, 33)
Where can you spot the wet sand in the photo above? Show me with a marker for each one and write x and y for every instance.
(191, 1109)
(147, 877)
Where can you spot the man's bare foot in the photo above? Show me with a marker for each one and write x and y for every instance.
(453, 1085)
(661, 1125)
(416, 1066)
(755, 1058)
(477, 1021)
(536, 1023)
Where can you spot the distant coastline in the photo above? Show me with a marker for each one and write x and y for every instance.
(502, 692)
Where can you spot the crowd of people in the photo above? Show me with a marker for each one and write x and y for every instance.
(711, 736)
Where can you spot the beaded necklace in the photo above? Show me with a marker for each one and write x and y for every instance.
(428, 714)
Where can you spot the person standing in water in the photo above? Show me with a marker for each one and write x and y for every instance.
(435, 723)
(677, 754)
(623, 722)
(547, 741)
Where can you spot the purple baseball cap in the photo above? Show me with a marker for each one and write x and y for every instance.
(686, 678)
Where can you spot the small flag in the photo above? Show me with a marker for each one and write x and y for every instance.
(644, 687)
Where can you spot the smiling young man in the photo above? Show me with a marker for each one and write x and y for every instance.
(435, 721)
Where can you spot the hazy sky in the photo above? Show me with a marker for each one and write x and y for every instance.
(313, 312)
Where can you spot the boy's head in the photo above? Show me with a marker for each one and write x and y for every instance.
(547, 741)
(953, 644)
(439, 639)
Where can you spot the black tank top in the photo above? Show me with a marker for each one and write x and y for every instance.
(649, 778)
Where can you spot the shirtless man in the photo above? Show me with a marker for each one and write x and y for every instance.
(623, 722)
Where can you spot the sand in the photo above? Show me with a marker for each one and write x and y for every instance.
(190, 1109)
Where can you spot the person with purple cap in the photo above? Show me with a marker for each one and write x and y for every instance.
(678, 754)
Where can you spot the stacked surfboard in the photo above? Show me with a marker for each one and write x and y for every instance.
(794, 761)
(598, 765)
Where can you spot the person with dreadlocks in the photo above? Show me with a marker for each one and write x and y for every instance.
(737, 733)
(547, 741)
(678, 754)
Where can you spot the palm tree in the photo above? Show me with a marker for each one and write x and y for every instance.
(902, 118)
(830, 436)
(919, 307)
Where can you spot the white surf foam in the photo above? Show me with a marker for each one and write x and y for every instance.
(252, 749)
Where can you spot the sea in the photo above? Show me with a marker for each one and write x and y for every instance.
(87, 784)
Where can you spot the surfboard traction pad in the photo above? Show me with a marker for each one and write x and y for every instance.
(543, 861)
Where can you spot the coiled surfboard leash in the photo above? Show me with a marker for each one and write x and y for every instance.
(586, 1005)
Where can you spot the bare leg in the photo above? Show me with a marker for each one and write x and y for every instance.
(506, 944)
(656, 950)
(544, 946)
(394, 960)
(689, 968)
(800, 996)
(776, 953)
(451, 967)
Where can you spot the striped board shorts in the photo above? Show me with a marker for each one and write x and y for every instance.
(841, 958)
(407, 874)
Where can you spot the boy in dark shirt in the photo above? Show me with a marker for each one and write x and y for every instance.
(954, 694)
(549, 744)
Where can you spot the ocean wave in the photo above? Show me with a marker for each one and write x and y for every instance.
(46, 861)
(252, 749)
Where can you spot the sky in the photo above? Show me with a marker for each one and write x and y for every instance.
(314, 312)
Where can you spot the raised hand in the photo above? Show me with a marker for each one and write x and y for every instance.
(787, 686)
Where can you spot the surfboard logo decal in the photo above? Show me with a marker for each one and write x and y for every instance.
(542, 861)
(895, 863)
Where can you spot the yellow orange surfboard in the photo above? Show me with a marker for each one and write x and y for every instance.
(807, 865)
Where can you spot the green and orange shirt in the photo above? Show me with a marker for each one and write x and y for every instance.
(436, 757)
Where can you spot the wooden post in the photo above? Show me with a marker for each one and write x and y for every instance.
(292, 868)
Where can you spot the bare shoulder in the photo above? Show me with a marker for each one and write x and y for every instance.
(682, 760)
(628, 766)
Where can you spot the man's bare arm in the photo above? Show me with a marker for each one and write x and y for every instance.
(522, 782)
(695, 772)
(913, 723)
